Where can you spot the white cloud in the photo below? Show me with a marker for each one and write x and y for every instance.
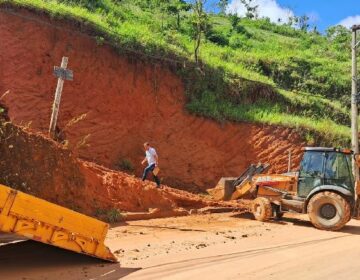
(266, 8)
(350, 21)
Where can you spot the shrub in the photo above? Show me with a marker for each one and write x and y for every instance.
(239, 41)
(125, 165)
(112, 215)
(89, 4)
(217, 37)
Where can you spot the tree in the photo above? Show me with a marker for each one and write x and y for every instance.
(175, 7)
(292, 21)
(251, 11)
(315, 30)
(222, 4)
(200, 23)
(162, 6)
(339, 36)
(234, 20)
(303, 23)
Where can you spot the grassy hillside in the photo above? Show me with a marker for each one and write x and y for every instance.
(250, 70)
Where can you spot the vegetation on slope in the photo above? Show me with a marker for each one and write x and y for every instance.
(249, 69)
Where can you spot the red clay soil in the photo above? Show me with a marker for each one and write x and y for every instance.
(123, 103)
(39, 166)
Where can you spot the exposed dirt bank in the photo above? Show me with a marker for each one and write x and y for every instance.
(39, 166)
(122, 103)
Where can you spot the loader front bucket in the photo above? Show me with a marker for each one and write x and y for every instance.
(45, 222)
(232, 188)
(224, 189)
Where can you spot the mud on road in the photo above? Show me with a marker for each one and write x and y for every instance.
(220, 246)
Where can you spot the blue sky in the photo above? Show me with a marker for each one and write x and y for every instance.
(328, 12)
(324, 13)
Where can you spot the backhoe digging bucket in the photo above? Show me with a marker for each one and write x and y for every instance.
(42, 221)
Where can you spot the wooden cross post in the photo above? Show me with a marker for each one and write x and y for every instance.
(62, 74)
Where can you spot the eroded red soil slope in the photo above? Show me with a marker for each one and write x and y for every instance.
(122, 103)
(41, 167)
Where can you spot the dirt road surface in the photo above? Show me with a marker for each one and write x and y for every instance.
(216, 246)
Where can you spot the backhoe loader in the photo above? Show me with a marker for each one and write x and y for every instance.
(324, 188)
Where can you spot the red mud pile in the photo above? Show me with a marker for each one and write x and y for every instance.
(39, 166)
(121, 103)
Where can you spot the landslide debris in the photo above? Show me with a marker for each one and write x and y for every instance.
(37, 165)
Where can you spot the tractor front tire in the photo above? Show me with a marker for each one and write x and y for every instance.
(329, 211)
(262, 209)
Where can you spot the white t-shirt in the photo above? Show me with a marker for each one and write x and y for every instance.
(150, 156)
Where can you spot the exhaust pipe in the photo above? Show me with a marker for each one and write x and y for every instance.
(289, 162)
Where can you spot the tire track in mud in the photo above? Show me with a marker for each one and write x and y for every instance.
(171, 269)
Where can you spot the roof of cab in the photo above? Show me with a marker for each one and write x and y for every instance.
(325, 149)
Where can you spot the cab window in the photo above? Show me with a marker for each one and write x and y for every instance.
(337, 170)
(312, 164)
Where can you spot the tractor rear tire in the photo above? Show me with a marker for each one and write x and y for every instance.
(262, 209)
(329, 211)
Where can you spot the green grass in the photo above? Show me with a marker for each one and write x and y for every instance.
(219, 109)
(255, 71)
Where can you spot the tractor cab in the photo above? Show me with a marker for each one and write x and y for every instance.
(325, 168)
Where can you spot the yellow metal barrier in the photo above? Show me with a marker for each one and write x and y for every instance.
(52, 224)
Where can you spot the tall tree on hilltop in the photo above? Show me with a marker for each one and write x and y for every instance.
(292, 21)
(175, 7)
(315, 30)
(251, 10)
(222, 4)
(162, 6)
(200, 23)
(303, 23)
(234, 20)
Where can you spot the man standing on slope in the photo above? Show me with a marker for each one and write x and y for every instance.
(152, 159)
